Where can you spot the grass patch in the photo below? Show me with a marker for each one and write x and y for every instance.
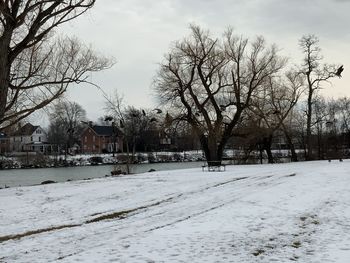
(296, 244)
(258, 252)
(35, 232)
(116, 215)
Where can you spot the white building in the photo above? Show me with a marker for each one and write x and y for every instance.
(29, 138)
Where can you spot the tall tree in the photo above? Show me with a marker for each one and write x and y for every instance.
(210, 82)
(273, 106)
(66, 123)
(316, 75)
(36, 67)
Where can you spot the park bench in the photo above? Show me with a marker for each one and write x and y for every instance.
(214, 166)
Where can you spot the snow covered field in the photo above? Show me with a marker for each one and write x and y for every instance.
(260, 213)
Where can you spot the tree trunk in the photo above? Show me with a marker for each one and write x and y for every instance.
(308, 125)
(319, 146)
(4, 80)
(212, 150)
(294, 156)
(267, 142)
(3, 95)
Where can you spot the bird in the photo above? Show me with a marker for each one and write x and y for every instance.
(222, 107)
(108, 118)
(144, 113)
(339, 71)
(158, 111)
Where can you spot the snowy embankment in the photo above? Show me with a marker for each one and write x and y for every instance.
(261, 213)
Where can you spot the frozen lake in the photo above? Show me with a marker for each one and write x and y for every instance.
(26, 177)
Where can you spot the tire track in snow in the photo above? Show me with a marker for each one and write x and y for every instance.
(260, 178)
(114, 215)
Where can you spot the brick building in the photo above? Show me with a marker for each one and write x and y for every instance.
(101, 139)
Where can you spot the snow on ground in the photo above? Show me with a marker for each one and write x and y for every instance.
(260, 213)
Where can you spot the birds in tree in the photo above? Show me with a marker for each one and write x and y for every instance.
(108, 118)
(339, 71)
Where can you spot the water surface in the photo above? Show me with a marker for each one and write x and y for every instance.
(25, 177)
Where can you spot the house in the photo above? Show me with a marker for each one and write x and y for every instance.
(4, 143)
(101, 139)
(29, 138)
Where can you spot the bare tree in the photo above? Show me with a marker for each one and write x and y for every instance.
(35, 67)
(66, 123)
(344, 117)
(135, 123)
(210, 82)
(316, 75)
(272, 106)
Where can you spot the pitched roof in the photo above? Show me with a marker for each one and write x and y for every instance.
(27, 129)
(104, 130)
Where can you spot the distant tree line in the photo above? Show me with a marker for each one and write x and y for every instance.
(261, 129)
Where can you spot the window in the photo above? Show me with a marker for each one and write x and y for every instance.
(93, 138)
(21, 139)
(85, 138)
(39, 139)
(31, 138)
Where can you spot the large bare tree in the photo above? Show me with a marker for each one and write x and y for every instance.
(316, 74)
(209, 82)
(35, 67)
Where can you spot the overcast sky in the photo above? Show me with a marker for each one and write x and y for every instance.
(137, 33)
